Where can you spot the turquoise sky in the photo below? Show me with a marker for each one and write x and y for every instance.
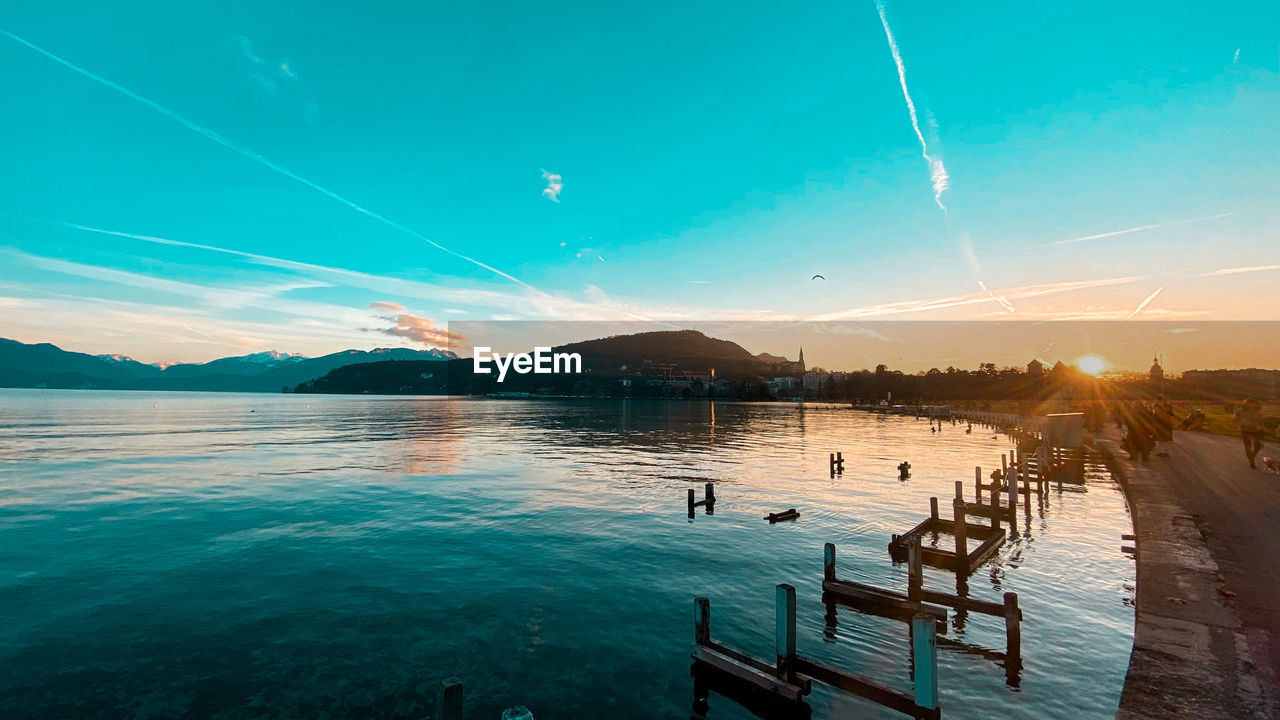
(296, 163)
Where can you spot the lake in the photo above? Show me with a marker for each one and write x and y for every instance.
(187, 555)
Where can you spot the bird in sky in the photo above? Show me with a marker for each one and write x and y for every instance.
(815, 277)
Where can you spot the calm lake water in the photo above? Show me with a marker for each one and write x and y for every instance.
(177, 555)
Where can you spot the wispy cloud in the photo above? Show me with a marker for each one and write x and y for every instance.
(1235, 59)
(1180, 331)
(938, 176)
(1239, 270)
(554, 186)
(387, 307)
(985, 296)
(1145, 302)
(1004, 302)
(1140, 228)
(422, 330)
(250, 154)
(278, 79)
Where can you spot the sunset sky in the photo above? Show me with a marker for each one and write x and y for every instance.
(185, 181)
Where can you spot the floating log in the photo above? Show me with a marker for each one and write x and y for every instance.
(788, 514)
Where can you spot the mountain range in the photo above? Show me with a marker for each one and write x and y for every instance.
(48, 366)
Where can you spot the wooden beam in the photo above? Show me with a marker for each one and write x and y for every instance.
(710, 657)
(862, 687)
(876, 601)
(979, 606)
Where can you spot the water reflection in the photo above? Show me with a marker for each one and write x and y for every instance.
(345, 554)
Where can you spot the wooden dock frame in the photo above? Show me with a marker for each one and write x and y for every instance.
(871, 600)
(709, 502)
(837, 464)
(960, 561)
(779, 690)
(1008, 609)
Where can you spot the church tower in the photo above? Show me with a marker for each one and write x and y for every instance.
(801, 359)
(1156, 373)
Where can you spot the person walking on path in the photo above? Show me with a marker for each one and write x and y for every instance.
(1249, 418)
(1162, 425)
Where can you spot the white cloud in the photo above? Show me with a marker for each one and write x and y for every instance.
(554, 186)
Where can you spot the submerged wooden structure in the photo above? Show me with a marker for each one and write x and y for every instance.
(778, 689)
(708, 501)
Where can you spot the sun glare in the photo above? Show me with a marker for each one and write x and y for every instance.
(1091, 364)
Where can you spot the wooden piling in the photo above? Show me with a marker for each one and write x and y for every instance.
(1026, 491)
(915, 568)
(1004, 465)
(1011, 490)
(449, 700)
(692, 502)
(933, 508)
(711, 494)
(961, 533)
(701, 620)
(977, 484)
(1012, 631)
(829, 562)
(924, 649)
(785, 635)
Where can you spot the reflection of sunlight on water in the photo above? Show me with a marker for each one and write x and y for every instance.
(343, 554)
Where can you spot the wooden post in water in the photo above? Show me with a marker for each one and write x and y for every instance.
(829, 562)
(1004, 465)
(915, 568)
(701, 620)
(692, 502)
(1012, 631)
(961, 532)
(933, 508)
(785, 635)
(1011, 491)
(1026, 489)
(449, 700)
(977, 484)
(924, 649)
(711, 494)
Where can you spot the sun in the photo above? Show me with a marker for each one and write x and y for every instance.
(1091, 364)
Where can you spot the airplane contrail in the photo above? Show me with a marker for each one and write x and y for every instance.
(1147, 301)
(261, 160)
(1140, 228)
(937, 171)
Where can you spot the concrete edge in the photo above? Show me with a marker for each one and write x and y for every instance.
(1190, 656)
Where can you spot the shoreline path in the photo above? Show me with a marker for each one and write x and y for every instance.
(1207, 627)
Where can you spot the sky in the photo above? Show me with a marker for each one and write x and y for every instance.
(185, 181)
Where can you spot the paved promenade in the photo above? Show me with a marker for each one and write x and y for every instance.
(1207, 633)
